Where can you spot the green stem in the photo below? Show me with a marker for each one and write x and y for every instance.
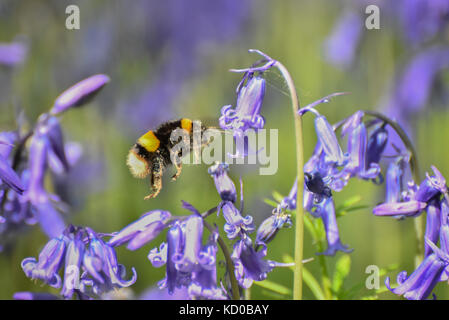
(414, 167)
(229, 263)
(325, 278)
(299, 227)
(248, 294)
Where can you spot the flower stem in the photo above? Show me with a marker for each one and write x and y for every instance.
(299, 227)
(229, 263)
(414, 168)
(325, 279)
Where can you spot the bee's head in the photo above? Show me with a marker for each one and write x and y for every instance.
(138, 165)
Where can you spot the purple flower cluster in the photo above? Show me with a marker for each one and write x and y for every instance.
(435, 266)
(248, 258)
(189, 263)
(410, 200)
(90, 265)
(330, 168)
(26, 158)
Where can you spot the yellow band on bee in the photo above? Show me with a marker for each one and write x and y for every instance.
(186, 124)
(149, 141)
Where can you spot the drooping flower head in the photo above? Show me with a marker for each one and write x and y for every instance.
(250, 264)
(142, 231)
(246, 115)
(225, 186)
(188, 262)
(90, 265)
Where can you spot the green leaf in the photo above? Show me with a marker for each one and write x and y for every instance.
(273, 286)
(342, 268)
(271, 202)
(313, 284)
(351, 201)
(376, 295)
(354, 290)
(308, 223)
(343, 212)
(349, 205)
(272, 295)
(277, 196)
(308, 278)
(319, 227)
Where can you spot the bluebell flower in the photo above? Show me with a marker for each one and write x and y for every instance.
(73, 261)
(9, 177)
(49, 127)
(421, 282)
(103, 273)
(410, 208)
(204, 281)
(377, 142)
(247, 111)
(50, 220)
(270, 226)
(225, 186)
(326, 211)
(433, 269)
(7, 174)
(7, 141)
(394, 183)
(187, 260)
(89, 272)
(246, 115)
(357, 149)
(188, 263)
(164, 255)
(431, 186)
(433, 223)
(327, 139)
(250, 264)
(236, 224)
(142, 231)
(36, 192)
(79, 94)
(50, 261)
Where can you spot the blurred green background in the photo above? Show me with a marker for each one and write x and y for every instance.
(183, 52)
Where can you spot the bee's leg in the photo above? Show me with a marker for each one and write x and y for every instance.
(178, 166)
(156, 179)
(176, 159)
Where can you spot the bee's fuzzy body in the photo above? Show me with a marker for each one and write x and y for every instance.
(151, 154)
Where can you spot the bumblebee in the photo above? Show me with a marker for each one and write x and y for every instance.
(155, 150)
